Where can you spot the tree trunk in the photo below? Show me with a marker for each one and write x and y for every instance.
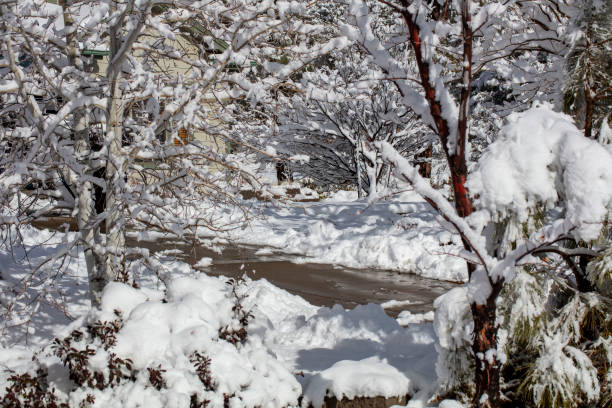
(282, 172)
(589, 106)
(115, 169)
(423, 160)
(487, 373)
(86, 214)
(589, 103)
(458, 170)
(484, 347)
(84, 199)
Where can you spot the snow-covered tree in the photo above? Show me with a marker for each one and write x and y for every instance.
(588, 95)
(517, 44)
(95, 92)
(541, 161)
(337, 117)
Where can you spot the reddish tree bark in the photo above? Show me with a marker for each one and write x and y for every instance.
(425, 165)
(487, 374)
(484, 347)
(456, 159)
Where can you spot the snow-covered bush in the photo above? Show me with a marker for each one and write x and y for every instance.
(542, 160)
(554, 343)
(540, 172)
(189, 348)
(600, 272)
(554, 340)
(555, 309)
(561, 376)
(454, 325)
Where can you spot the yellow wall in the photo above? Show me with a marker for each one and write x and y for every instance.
(175, 67)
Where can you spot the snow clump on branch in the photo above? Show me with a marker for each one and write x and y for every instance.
(541, 157)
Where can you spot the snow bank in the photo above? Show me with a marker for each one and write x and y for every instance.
(292, 346)
(325, 344)
(400, 234)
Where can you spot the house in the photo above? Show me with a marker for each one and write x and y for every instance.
(170, 132)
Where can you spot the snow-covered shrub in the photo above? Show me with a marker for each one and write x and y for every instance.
(555, 336)
(542, 196)
(26, 390)
(555, 341)
(189, 348)
(600, 272)
(454, 325)
(562, 376)
(524, 306)
(539, 161)
(605, 345)
(236, 331)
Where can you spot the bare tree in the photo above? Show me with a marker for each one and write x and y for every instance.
(336, 128)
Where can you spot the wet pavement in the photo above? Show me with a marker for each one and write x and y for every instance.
(319, 284)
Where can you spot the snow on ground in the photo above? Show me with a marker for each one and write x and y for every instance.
(58, 282)
(400, 233)
(293, 347)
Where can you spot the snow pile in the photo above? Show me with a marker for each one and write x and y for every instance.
(399, 234)
(181, 336)
(370, 377)
(348, 353)
(542, 157)
(156, 343)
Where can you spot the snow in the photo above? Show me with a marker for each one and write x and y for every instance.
(204, 262)
(453, 325)
(450, 312)
(194, 311)
(369, 377)
(605, 133)
(395, 303)
(406, 317)
(560, 369)
(479, 287)
(342, 196)
(120, 297)
(450, 404)
(293, 348)
(296, 349)
(399, 234)
(542, 157)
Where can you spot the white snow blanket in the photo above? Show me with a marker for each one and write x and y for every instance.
(293, 348)
(400, 234)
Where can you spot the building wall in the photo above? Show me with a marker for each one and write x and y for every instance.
(174, 67)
